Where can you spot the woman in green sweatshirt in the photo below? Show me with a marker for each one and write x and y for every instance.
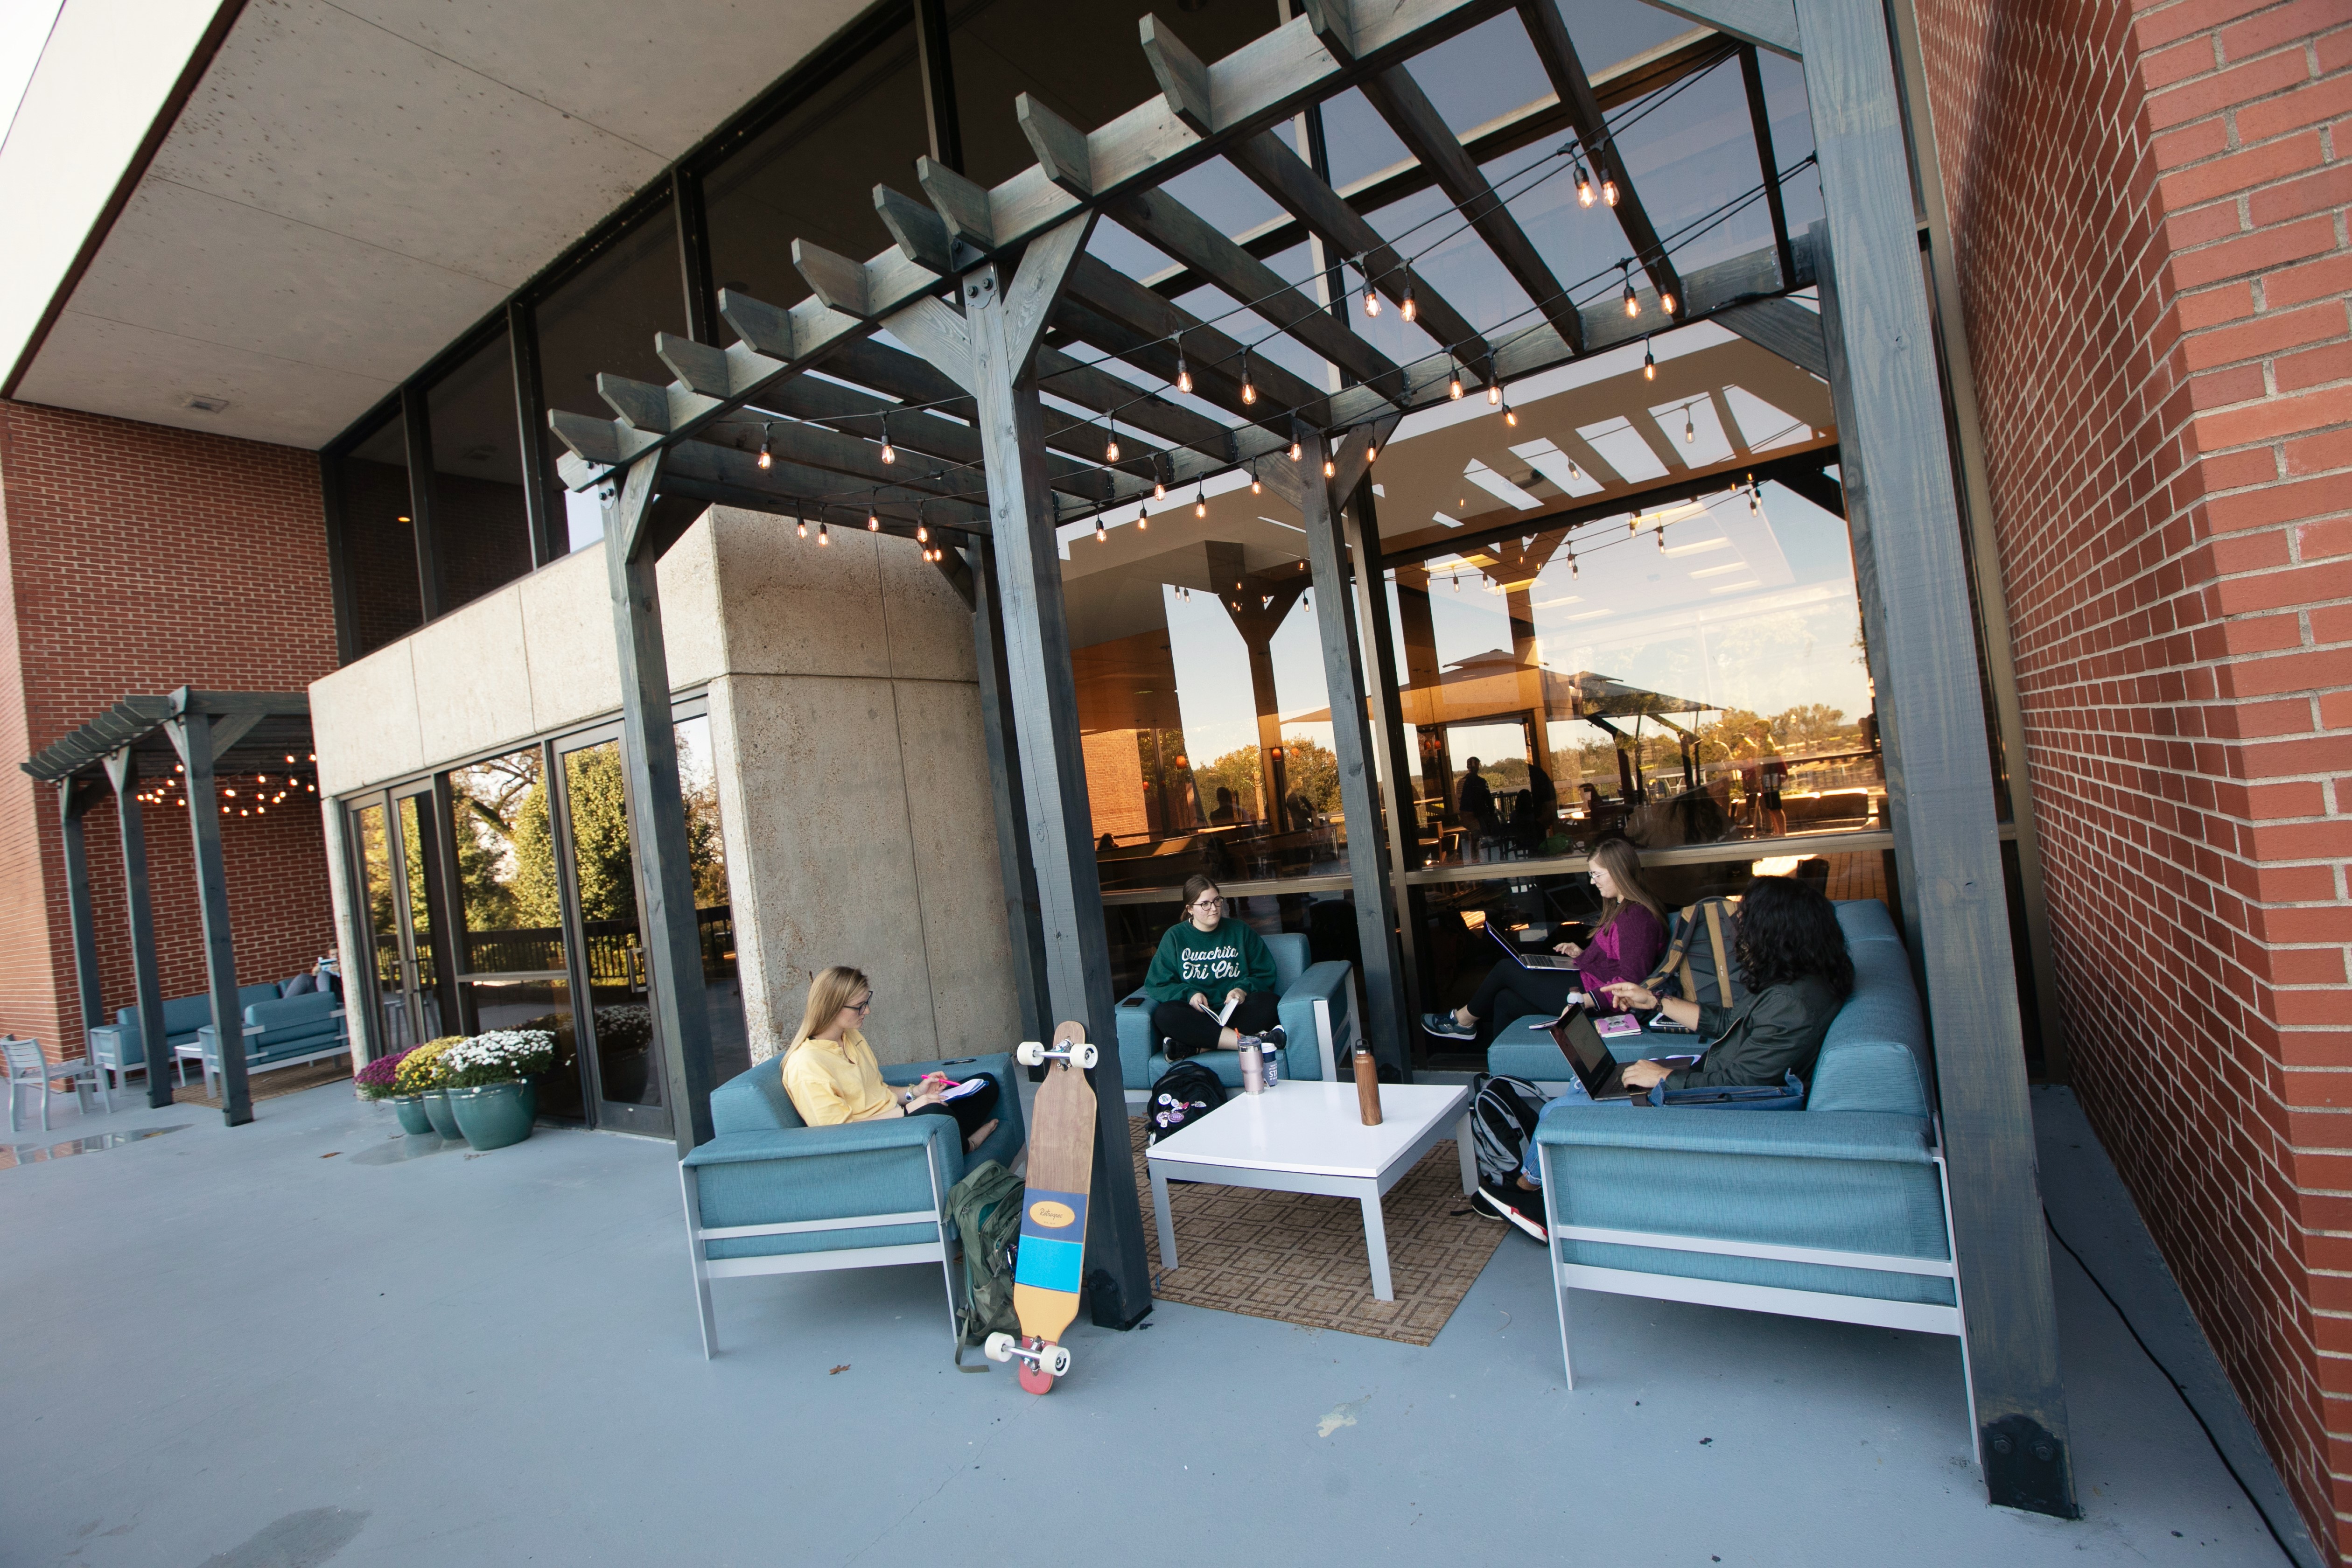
(1205, 962)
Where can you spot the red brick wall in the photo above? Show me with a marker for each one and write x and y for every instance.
(2148, 215)
(138, 559)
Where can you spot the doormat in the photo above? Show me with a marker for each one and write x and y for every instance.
(1298, 1258)
(271, 1085)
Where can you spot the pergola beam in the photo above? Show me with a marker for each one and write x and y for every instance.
(1556, 50)
(146, 976)
(1423, 131)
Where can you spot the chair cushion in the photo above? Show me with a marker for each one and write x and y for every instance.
(1291, 957)
(755, 1100)
(1873, 1058)
(1522, 1049)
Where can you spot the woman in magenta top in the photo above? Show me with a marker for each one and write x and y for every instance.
(1625, 945)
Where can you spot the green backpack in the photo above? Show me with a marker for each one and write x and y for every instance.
(985, 1209)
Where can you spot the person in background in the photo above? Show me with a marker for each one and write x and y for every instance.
(1205, 962)
(1624, 945)
(1792, 960)
(831, 1077)
(1224, 815)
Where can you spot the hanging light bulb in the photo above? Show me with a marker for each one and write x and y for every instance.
(1330, 469)
(1575, 474)
(1456, 580)
(1649, 361)
(1409, 310)
(1256, 487)
(1583, 186)
(803, 526)
(1510, 415)
(922, 533)
(873, 522)
(1609, 191)
(1158, 488)
(1572, 572)
(1666, 300)
(1453, 385)
(1690, 431)
(1371, 450)
(1632, 303)
(1249, 392)
(766, 461)
(1201, 500)
(1183, 371)
(890, 453)
(1494, 393)
(1110, 452)
(1662, 536)
(1102, 535)
(823, 534)
(1298, 449)
(1371, 297)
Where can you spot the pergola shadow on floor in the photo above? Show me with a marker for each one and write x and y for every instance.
(142, 749)
(988, 289)
(495, 1361)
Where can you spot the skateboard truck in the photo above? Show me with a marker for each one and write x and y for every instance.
(1053, 1360)
(1035, 1052)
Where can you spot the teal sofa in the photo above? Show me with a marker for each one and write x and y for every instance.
(281, 1032)
(1314, 1009)
(771, 1194)
(119, 1049)
(1839, 1211)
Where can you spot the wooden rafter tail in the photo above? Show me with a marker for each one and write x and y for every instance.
(1175, 228)
(1285, 178)
(866, 290)
(1556, 50)
(1407, 109)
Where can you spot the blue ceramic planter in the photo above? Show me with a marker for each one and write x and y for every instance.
(496, 1115)
(411, 1110)
(437, 1111)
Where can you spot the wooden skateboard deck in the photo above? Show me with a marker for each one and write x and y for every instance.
(1052, 1261)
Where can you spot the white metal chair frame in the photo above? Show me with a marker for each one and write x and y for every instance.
(940, 1248)
(28, 1067)
(1918, 1316)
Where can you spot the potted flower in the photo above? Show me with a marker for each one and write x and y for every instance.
(423, 1072)
(379, 1081)
(488, 1084)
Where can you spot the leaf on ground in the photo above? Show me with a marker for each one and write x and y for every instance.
(836, 1372)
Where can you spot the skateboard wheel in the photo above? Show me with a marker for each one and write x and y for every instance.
(999, 1347)
(1030, 1053)
(1057, 1360)
(1084, 1057)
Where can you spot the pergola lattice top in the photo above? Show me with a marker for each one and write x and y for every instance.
(885, 437)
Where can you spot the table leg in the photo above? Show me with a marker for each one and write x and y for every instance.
(1376, 1245)
(1466, 1148)
(1160, 1212)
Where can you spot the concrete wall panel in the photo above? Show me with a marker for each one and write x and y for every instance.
(363, 721)
(473, 677)
(929, 624)
(952, 826)
(800, 609)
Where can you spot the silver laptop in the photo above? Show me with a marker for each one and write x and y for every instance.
(1528, 960)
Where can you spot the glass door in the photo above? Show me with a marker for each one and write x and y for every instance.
(381, 970)
(424, 1003)
(598, 859)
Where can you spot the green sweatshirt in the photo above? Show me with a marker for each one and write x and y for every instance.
(1210, 961)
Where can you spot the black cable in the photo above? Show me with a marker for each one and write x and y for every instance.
(2177, 1386)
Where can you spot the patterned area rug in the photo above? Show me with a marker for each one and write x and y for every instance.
(270, 1085)
(1299, 1259)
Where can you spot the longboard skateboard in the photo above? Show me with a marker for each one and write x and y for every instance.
(1052, 1256)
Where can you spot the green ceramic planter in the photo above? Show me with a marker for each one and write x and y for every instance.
(496, 1115)
(436, 1111)
(411, 1110)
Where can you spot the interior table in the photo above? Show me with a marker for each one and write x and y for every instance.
(1309, 1137)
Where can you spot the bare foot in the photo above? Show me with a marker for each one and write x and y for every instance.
(978, 1135)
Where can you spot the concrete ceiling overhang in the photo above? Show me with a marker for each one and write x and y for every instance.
(352, 186)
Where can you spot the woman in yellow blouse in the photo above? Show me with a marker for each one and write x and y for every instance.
(831, 1077)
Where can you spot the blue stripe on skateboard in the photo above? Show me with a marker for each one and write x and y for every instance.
(1045, 1263)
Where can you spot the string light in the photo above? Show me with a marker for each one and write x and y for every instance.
(1183, 373)
(1632, 305)
(1755, 497)
(1666, 300)
(1201, 499)
(1371, 450)
(1110, 452)
(1453, 380)
(873, 522)
(1583, 186)
(823, 534)
(1649, 361)
(1608, 190)
(1494, 393)
(1510, 415)
(1572, 572)
(1249, 392)
(1409, 310)
(803, 523)
(1690, 431)
(890, 453)
(922, 533)
(1298, 448)
(1102, 535)
(1372, 298)
(766, 461)
(1256, 487)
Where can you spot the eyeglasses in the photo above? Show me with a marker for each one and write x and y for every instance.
(1211, 903)
(863, 1004)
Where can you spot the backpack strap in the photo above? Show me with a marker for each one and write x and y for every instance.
(1677, 955)
(1715, 941)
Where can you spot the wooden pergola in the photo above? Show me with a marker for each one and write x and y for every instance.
(950, 439)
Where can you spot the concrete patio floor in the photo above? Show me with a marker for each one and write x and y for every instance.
(228, 1349)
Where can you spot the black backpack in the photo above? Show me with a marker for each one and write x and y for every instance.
(1503, 1113)
(1185, 1093)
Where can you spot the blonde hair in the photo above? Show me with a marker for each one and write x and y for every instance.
(1624, 864)
(829, 992)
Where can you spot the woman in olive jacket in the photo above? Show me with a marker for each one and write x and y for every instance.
(1792, 960)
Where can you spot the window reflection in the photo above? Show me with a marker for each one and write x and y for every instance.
(506, 865)
(1200, 680)
(379, 539)
(1686, 667)
(479, 518)
(714, 908)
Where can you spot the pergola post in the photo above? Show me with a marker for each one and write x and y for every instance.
(1004, 317)
(1352, 744)
(1904, 509)
(76, 795)
(122, 774)
(1019, 871)
(657, 801)
(193, 736)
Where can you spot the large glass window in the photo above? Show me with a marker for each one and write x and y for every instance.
(379, 536)
(812, 175)
(1201, 691)
(479, 518)
(714, 906)
(604, 318)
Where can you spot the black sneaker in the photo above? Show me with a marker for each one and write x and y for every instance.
(1175, 1049)
(1274, 1037)
(1444, 1026)
(1507, 1199)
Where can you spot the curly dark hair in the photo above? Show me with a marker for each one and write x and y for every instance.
(1787, 929)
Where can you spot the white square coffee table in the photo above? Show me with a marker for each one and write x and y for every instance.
(1306, 1137)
